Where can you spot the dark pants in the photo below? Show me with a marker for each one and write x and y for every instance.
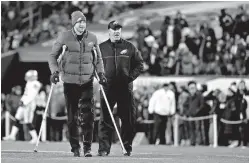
(195, 132)
(206, 125)
(122, 95)
(79, 102)
(56, 130)
(159, 128)
(183, 131)
(244, 134)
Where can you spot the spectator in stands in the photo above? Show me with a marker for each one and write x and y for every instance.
(142, 31)
(183, 125)
(205, 111)
(194, 105)
(180, 21)
(226, 22)
(162, 105)
(12, 103)
(188, 63)
(208, 43)
(242, 105)
(149, 51)
(88, 10)
(247, 64)
(73, 6)
(12, 100)
(238, 52)
(191, 41)
(170, 35)
(241, 24)
(231, 131)
(12, 25)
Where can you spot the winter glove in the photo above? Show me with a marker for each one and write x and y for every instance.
(102, 79)
(55, 77)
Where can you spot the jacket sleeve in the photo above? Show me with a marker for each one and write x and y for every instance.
(186, 109)
(173, 104)
(99, 64)
(201, 105)
(137, 64)
(99, 61)
(152, 103)
(52, 57)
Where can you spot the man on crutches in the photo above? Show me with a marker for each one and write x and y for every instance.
(123, 64)
(77, 68)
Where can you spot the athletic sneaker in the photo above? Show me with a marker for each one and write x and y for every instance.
(76, 152)
(87, 153)
(234, 144)
(9, 138)
(127, 154)
(103, 153)
(33, 141)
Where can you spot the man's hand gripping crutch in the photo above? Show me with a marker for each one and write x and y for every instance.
(54, 79)
(108, 106)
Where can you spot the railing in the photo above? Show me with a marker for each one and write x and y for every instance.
(31, 13)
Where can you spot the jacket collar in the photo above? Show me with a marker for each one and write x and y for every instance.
(118, 42)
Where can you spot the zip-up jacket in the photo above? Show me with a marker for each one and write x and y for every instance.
(78, 62)
(122, 60)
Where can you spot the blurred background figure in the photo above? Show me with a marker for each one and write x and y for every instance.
(12, 102)
(162, 105)
(195, 103)
(26, 107)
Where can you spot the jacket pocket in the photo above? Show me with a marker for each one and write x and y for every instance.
(123, 63)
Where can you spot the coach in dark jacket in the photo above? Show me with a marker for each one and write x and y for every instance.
(123, 64)
(77, 71)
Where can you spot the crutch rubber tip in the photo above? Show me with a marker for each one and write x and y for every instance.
(35, 150)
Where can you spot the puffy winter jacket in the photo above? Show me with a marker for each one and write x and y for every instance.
(78, 62)
(122, 60)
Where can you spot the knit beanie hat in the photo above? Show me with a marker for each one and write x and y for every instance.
(76, 15)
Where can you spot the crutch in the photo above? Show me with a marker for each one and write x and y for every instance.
(44, 117)
(109, 109)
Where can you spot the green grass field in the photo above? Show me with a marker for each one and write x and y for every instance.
(22, 152)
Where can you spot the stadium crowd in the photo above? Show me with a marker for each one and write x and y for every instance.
(55, 18)
(191, 100)
(182, 48)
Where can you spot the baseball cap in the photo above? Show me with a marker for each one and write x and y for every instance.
(114, 25)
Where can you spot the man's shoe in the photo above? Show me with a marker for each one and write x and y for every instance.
(87, 153)
(76, 153)
(33, 141)
(127, 154)
(103, 153)
(7, 138)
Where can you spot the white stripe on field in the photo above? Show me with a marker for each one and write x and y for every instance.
(31, 151)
